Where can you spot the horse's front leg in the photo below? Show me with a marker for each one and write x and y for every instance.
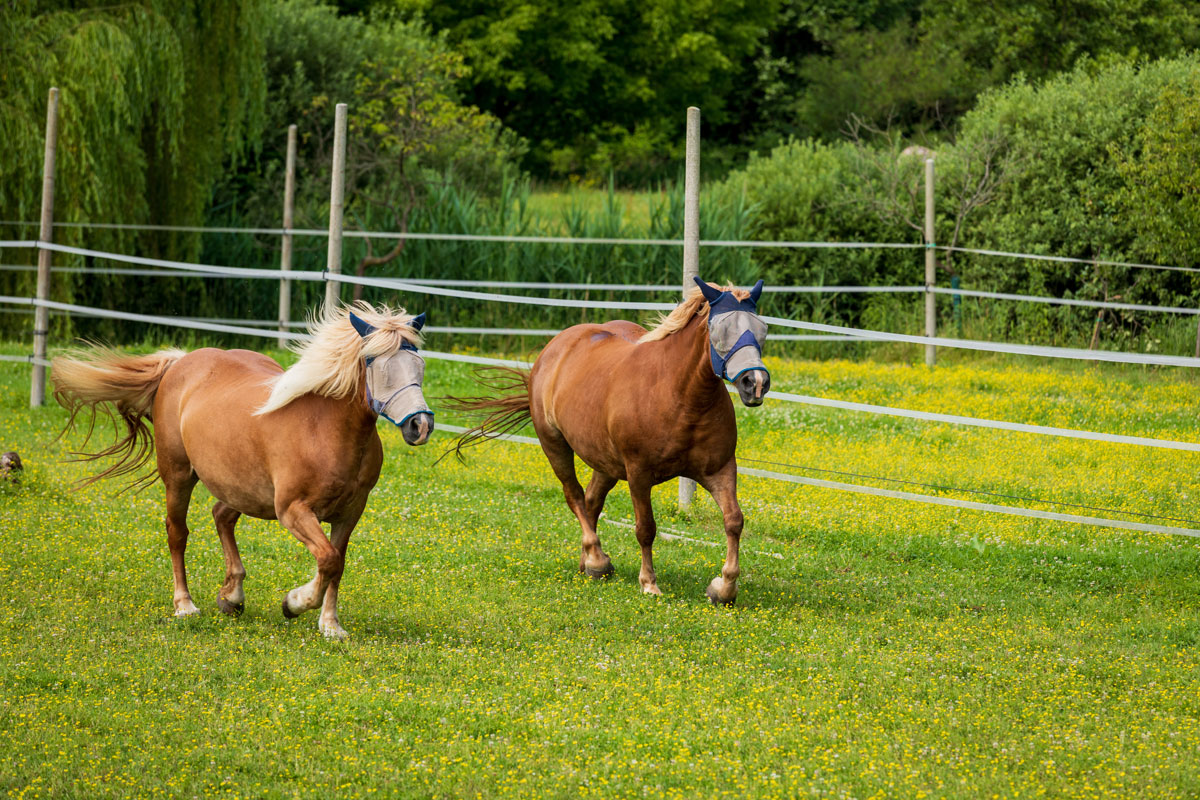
(646, 529)
(298, 518)
(328, 623)
(722, 485)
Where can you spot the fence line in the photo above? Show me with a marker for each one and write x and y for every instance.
(629, 287)
(979, 422)
(467, 237)
(1018, 511)
(928, 416)
(408, 286)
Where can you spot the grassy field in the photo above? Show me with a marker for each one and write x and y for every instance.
(879, 648)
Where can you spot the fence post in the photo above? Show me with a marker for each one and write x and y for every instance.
(41, 314)
(285, 250)
(930, 266)
(691, 239)
(336, 196)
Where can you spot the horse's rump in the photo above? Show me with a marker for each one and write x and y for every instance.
(101, 380)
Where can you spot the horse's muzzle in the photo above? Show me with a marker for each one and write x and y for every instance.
(416, 428)
(752, 386)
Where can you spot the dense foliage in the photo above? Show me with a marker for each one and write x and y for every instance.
(1098, 163)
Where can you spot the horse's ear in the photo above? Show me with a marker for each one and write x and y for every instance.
(418, 321)
(710, 294)
(363, 327)
(756, 292)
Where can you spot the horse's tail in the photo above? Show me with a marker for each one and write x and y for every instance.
(102, 380)
(504, 412)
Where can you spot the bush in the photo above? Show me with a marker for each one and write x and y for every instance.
(1099, 163)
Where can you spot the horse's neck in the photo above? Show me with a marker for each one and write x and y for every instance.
(698, 387)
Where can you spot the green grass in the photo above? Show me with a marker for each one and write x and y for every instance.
(891, 649)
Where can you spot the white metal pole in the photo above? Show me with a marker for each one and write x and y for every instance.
(336, 196)
(691, 240)
(285, 250)
(930, 266)
(41, 314)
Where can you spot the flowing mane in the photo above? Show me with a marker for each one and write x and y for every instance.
(331, 362)
(693, 305)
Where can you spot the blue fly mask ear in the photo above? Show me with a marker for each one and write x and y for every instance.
(735, 333)
(363, 327)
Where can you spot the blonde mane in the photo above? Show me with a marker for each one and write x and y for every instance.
(331, 362)
(693, 305)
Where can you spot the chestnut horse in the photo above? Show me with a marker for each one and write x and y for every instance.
(642, 407)
(298, 445)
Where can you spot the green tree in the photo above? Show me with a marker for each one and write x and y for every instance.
(602, 85)
(157, 97)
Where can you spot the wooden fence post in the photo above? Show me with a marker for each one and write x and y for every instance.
(930, 266)
(691, 240)
(337, 192)
(285, 250)
(41, 314)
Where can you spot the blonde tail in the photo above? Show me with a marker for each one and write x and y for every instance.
(102, 380)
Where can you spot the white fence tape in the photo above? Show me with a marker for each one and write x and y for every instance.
(920, 498)
(1017, 511)
(994, 347)
(954, 419)
(26, 360)
(1062, 301)
(1064, 259)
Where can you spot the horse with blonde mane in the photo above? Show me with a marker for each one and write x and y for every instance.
(297, 445)
(643, 407)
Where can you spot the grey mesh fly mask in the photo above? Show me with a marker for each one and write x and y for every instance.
(735, 332)
(394, 380)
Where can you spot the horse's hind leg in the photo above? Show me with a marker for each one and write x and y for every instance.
(597, 491)
(723, 487)
(298, 518)
(231, 598)
(592, 559)
(646, 529)
(179, 494)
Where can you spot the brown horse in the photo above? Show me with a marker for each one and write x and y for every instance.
(299, 445)
(642, 407)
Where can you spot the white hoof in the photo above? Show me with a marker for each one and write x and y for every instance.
(333, 631)
(187, 610)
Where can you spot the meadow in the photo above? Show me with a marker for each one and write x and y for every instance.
(878, 648)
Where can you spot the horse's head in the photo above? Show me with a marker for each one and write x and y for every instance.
(735, 339)
(394, 385)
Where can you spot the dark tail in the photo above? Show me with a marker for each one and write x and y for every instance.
(102, 380)
(506, 411)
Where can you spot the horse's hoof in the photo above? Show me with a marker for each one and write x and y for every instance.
(716, 600)
(599, 574)
(287, 612)
(334, 633)
(232, 609)
(187, 612)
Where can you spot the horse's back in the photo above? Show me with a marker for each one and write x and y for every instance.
(572, 383)
(583, 357)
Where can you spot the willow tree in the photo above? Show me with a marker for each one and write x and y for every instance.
(157, 98)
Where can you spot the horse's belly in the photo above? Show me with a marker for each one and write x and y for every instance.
(257, 501)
